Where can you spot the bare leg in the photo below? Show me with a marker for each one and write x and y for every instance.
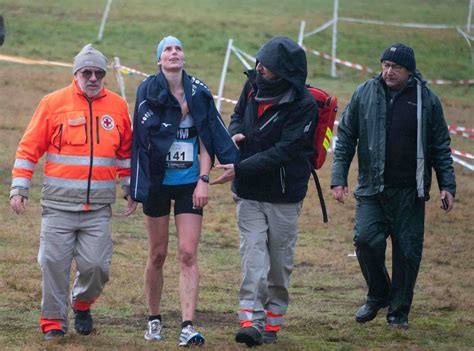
(189, 232)
(157, 230)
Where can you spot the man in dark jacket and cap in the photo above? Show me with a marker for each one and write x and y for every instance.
(398, 127)
(273, 125)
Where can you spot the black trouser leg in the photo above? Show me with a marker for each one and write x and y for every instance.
(370, 234)
(407, 242)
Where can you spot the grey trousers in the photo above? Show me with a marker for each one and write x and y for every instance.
(268, 235)
(67, 235)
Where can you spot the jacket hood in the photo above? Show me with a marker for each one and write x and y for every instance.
(285, 58)
(158, 94)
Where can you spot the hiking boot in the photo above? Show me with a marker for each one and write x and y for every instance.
(398, 322)
(83, 322)
(368, 311)
(250, 336)
(54, 334)
(269, 337)
(190, 336)
(154, 330)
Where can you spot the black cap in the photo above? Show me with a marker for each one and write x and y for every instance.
(401, 54)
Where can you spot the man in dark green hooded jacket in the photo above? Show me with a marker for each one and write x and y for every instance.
(397, 125)
(273, 125)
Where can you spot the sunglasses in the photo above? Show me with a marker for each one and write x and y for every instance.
(87, 74)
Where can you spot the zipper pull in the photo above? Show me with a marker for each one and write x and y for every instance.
(97, 129)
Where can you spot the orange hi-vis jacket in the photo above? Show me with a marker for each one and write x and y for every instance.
(87, 142)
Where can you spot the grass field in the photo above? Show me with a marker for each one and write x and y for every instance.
(326, 287)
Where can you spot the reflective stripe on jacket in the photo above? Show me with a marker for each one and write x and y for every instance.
(87, 144)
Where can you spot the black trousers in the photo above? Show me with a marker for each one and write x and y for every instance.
(399, 214)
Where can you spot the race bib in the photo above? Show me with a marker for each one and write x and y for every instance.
(180, 155)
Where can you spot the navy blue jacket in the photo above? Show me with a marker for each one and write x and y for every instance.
(156, 120)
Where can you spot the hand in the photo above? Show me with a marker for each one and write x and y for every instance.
(339, 192)
(228, 175)
(237, 139)
(449, 197)
(131, 207)
(18, 204)
(200, 196)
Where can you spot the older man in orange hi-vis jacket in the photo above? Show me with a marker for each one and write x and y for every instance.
(84, 129)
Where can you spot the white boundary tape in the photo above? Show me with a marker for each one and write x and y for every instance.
(131, 71)
(465, 135)
(453, 151)
(460, 129)
(450, 82)
(128, 70)
(27, 61)
(398, 24)
(370, 70)
(124, 69)
(226, 100)
(463, 163)
(341, 62)
(336, 19)
(463, 154)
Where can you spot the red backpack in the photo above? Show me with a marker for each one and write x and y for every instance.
(327, 110)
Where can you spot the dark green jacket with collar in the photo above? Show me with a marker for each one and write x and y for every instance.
(362, 127)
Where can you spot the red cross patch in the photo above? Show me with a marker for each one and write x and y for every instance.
(107, 122)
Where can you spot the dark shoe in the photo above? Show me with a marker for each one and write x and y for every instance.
(54, 334)
(368, 311)
(398, 322)
(250, 336)
(83, 322)
(269, 337)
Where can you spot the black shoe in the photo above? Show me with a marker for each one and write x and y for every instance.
(269, 337)
(250, 336)
(368, 311)
(398, 322)
(54, 334)
(83, 322)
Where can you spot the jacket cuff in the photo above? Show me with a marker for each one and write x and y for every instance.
(334, 185)
(236, 170)
(24, 192)
(125, 191)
